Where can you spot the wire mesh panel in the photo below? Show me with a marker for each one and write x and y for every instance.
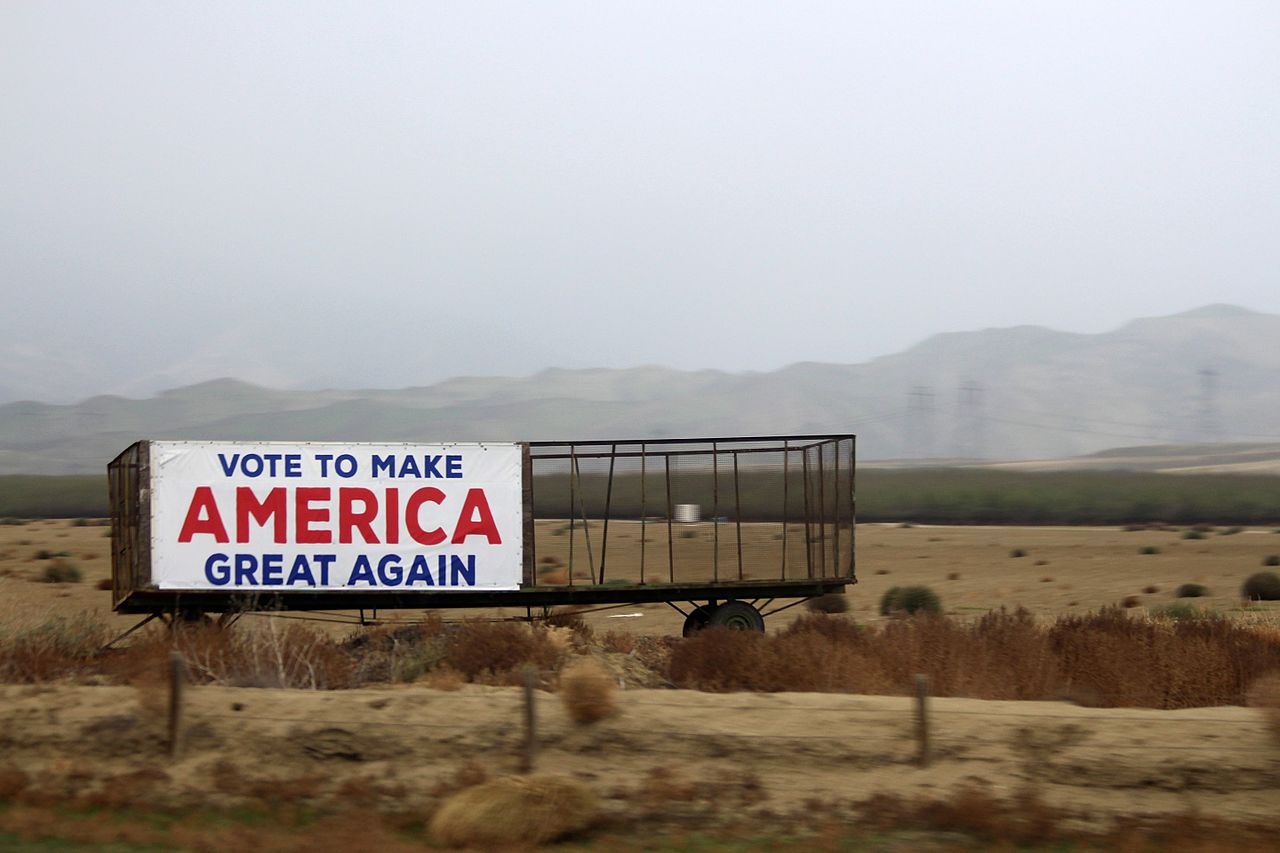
(692, 510)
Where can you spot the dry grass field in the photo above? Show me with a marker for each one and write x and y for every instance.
(741, 756)
(1061, 570)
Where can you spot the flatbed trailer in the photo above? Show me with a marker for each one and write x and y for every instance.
(725, 530)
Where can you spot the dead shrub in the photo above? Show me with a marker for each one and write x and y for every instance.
(805, 659)
(57, 648)
(403, 653)
(475, 648)
(836, 629)
(104, 585)
(832, 602)
(618, 642)
(1161, 663)
(268, 653)
(61, 571)
(1003, 655)
(443, 677)
(515, 810)
(1130, 601)
(571, 619)
(587, 690)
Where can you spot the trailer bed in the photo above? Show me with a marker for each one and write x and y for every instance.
(698, 520)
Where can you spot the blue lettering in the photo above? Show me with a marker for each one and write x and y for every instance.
(429, 468)
(251, 465)
(384, 465)
(345, 465)
(419, 571)
(217, 569)
(323, 459)
(271, 569)
(301, 572)
(228, 465)
(293, 465)
(457, 568)
(407, 465)
(390, 571)
(246, 566)
(453, 466)
(362, 572)
(325, 561)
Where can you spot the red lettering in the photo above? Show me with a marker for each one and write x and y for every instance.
(304, 515)
(392, 509)
(203, 517)
(469, 525)
(413, 523)
(349, 518)
(271, 508)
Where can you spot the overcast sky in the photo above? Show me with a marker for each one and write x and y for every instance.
(385, 194)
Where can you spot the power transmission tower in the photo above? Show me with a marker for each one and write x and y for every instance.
(970, 438)
(921, 423)
(1208, 422)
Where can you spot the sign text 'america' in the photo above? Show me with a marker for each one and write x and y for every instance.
(322, 516)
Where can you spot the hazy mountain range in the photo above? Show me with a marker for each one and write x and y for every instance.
(1208, 375)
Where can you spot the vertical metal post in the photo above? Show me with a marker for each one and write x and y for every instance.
(643, 476)
(586, 526)
(835, 496)
(572, 512)
(671, 544)
(608, 502)
(715, 512)
(737, 511)
(822, 512)
(922, 720)
(853, 507)
(808, 535)
(786, 477)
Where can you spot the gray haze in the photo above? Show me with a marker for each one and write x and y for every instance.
(384, 195)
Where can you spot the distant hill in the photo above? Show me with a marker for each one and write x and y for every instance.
(1206, 376)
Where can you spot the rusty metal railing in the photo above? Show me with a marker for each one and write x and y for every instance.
(719, 510)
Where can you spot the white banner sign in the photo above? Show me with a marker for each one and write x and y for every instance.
(279, 517)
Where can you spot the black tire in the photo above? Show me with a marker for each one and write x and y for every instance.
(696, 620)
(737, 615)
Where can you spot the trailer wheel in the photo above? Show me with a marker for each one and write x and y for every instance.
(697, 619)
(737, 615)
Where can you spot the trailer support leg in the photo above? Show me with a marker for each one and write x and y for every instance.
(147, 619)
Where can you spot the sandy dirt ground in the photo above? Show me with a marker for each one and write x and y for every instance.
(1063, 569)
(710, 757)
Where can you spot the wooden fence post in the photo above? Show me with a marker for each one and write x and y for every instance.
(530, 721)
(922, 720)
